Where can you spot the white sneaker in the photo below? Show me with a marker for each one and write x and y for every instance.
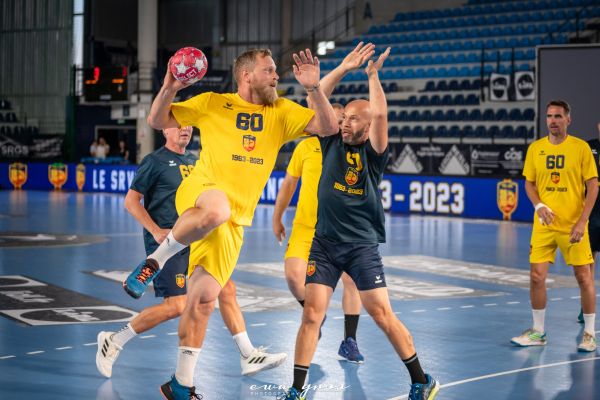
(588, 343)
(107, 353)
(530, 338)
(259, 360)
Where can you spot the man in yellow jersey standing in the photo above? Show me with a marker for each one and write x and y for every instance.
(241, 136)
(562, 184)
(306, 164)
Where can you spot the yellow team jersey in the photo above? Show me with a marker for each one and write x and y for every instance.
(559, 173)
(240, 142)
(307, 162)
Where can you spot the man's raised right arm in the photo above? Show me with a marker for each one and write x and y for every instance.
(160, 116)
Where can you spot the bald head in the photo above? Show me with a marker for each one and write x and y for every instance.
(357, 119)
(359, 107)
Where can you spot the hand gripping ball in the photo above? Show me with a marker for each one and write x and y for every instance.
(188, 65)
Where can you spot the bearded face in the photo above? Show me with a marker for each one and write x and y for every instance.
(267, 94)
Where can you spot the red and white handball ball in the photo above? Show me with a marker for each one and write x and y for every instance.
(188, 65)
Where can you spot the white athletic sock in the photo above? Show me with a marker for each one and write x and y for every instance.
(167, 249)
(187, 357)
(538, 319)
(243, 343)
(590, 324)
(124, 335)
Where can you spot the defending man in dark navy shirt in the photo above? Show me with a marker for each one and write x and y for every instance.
(350, 226)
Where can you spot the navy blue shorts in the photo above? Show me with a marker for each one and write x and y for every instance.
(328, 259)
(594, 232)
(172, 280)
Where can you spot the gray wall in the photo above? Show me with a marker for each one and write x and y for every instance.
(571, 74)
(35, 48)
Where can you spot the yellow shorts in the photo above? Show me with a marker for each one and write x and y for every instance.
(218, 252)
(300, 242)
(545, 241)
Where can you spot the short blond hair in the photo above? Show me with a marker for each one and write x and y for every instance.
(247, 59)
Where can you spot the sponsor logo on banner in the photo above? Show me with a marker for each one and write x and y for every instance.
(454, 163)
(407, 162)
(311, 268)
(507, 197)
(249, 142)
(499, 87)
(180, 280)
(17, 175)
(524, 85)
(37, 303)
(351, 176)
(80, 176)
(57, 175)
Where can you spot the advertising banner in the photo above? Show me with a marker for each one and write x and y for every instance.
(491, 198)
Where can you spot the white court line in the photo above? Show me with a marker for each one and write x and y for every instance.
(5, 357)
(514, 371)
(147, 336)
(468, 306)
(90, 344)
(444, 308)
(575, 297)
(285, 322)
(63, 348)
(513, 302)
(556, 299)
(490, 304)
(338, 317)
(172, 333)
(261, 324)
(418, 311)
(35, 352)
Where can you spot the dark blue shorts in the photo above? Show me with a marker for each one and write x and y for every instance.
(594, 232)
(172, 280)
(328, 259)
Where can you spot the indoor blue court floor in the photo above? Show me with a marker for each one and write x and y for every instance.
(461, 286)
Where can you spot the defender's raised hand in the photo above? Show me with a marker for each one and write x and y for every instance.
(307, 70)
(358, 56)
(373, 67)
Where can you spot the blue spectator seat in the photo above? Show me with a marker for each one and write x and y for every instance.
(488, 115)
(451, 115)
(463, 115)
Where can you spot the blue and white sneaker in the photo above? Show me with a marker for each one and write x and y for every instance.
(172, 390)
(424, 391)
(291, 394)
(136, 283)
(349, 351)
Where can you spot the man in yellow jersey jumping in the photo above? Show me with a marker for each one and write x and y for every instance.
(241, 136)
(306, 164)
(562, 183)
